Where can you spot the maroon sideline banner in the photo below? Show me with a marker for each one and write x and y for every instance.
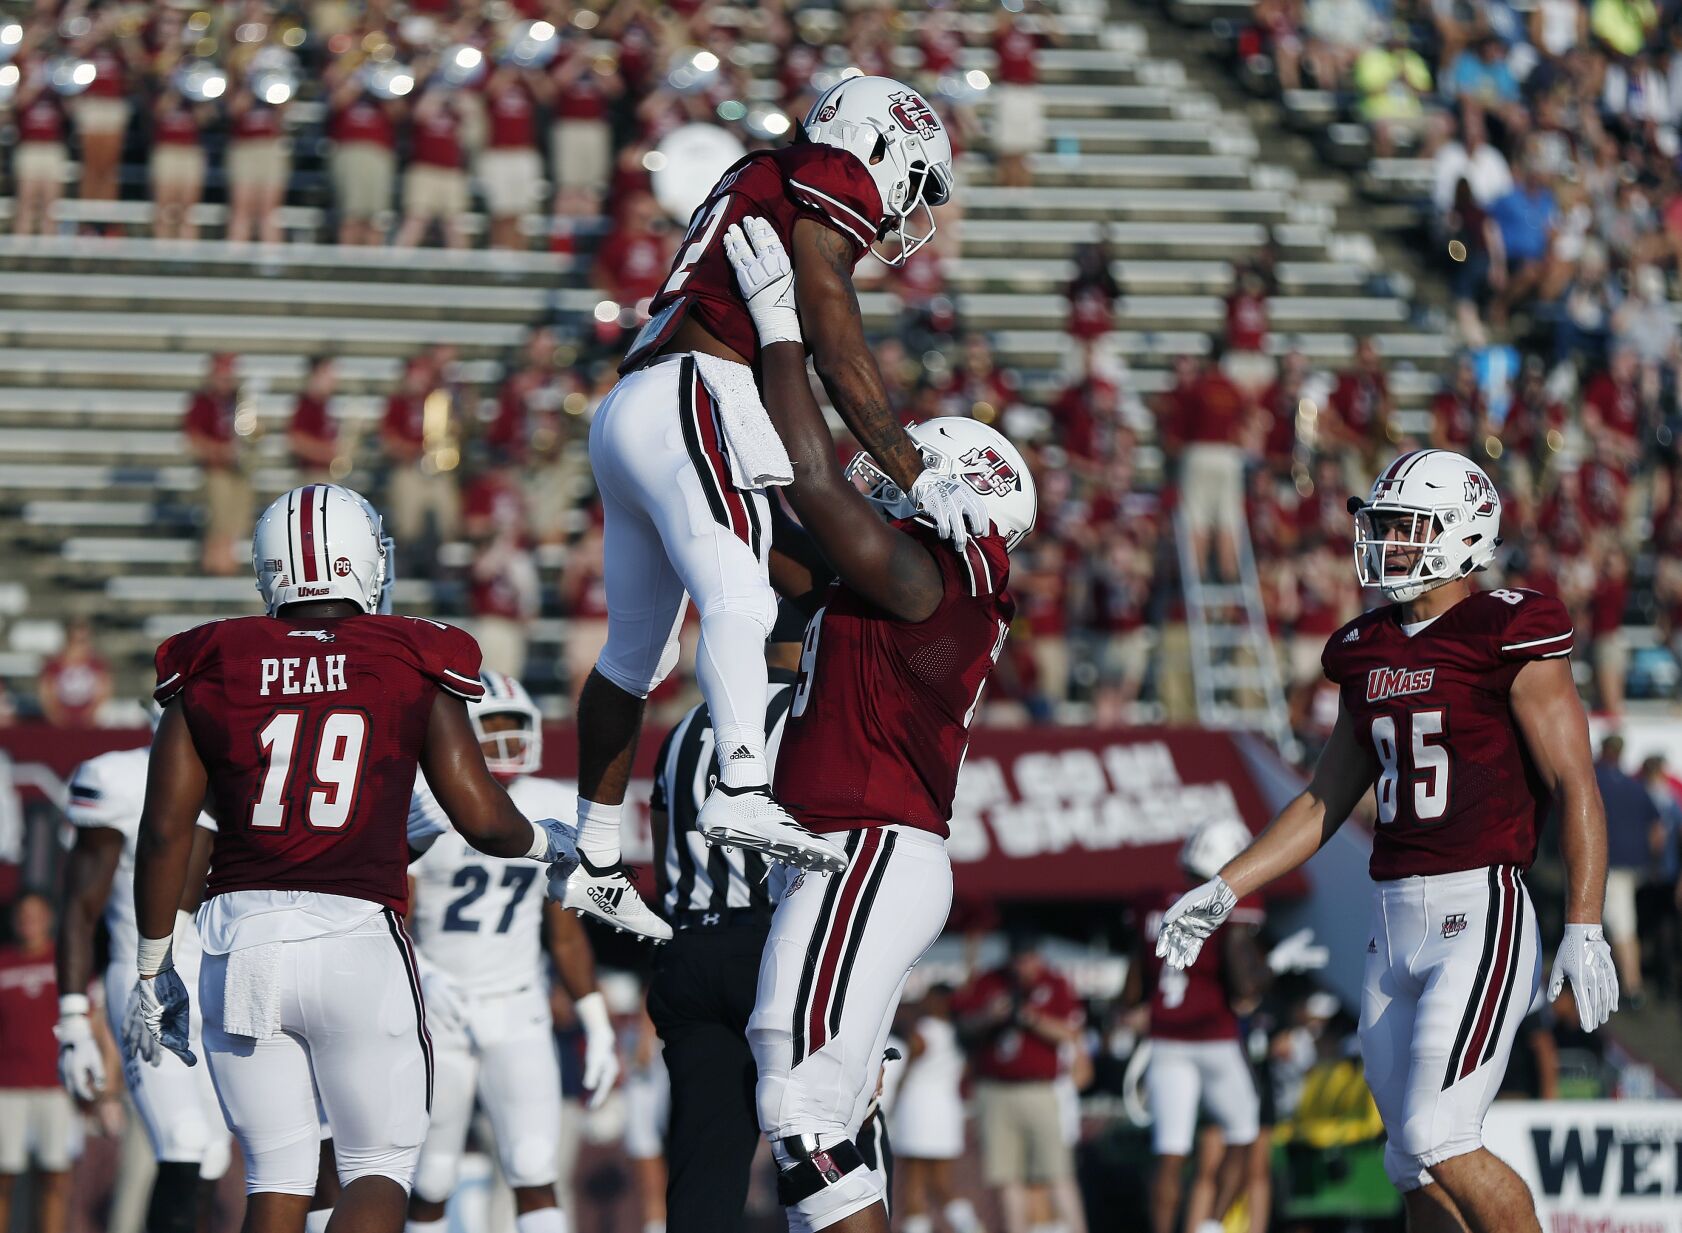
(1041, 813)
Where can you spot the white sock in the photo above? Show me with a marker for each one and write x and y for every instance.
(730, 667)
(598, 831)
(543, 1220)
(960, 1214)
(917, 1224)
(316, 1222)
(423, 1226)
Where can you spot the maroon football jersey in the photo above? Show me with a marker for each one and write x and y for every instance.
(808, 180)
(311, 733)
(882, 707)
(1193, 1004)
(1456, 787)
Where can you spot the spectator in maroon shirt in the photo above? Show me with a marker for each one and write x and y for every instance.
(1208, 433)
(362, 163)
(586, 86)
(103, 109)
(1018, 107)
(1612, 405)
(1246, 360)
(435, 181)
(313, 436)
(258, 163)
(502, 582)
(1458, 409)
(417, 435)
(40, 160)
(1118, 608)
(76, 682)
(1563, 519)
(217, 448)
(509, 167)
(177, 163)
(1361, 401)
(1088, 419)
(36, 1108)
(1606, 623)
(634, 258)
(1281, 403)
(1015, 1021)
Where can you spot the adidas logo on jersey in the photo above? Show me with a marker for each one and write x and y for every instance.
(1385, 683)
(607, 897)
(1353, 635)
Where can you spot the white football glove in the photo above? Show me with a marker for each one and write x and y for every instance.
(157, 1018)
(1586, 960)
(601, 1049)
(957, 509)
(445, 1014)
(81, 1068)
(1298, 953)
(1194, 916)
(560, 845)
(766, 276)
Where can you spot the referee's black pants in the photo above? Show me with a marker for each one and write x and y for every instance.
(700, 999)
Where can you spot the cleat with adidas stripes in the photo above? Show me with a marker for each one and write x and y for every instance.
(751, 819)
(607, 893)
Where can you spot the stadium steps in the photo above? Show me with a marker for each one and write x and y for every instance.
(102, 339)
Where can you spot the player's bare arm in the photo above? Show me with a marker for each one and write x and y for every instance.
(477, 805)
(575, 963)
(87, 885)
(834, 326)
(888, 567)
(1550, 717)
(175, 789)
(1345, 771)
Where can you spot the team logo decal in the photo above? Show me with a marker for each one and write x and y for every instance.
(1455, 925)
(1385, 683)
(320, 635)
(272, 565)
(1480, 493)
(989, 473)
(341, 567)
(828, 111)
(913, 115)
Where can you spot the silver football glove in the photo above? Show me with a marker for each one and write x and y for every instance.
(601, 1049)
(766, 276)
(157, 1018)
(956, 509)
(81, 1067)
(1194, 916)
(1585, 959)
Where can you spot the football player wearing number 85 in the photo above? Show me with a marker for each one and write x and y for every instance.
(303, 730)
(1459, 712)
(478, 927)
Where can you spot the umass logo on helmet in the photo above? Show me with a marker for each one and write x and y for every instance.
(989, 473)
(1480, 493)
(914, 115)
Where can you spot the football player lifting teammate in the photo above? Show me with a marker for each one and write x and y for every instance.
(1458, 710)
(304, 730)
(685, 455)
(891, 673)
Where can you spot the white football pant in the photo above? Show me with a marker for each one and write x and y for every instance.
(176, 1102)
(1453, 967)
(351, 1029)
(507, 1060)
(675, 522)
(1185, 1075)
(840, 948)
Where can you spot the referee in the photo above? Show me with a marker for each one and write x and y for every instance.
(703, 990)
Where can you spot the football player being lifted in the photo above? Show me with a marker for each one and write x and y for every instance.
(1458, 710)
(685, 456)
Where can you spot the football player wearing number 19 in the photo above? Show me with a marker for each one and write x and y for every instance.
(304, 729)
(1458, 710)
(478, 928)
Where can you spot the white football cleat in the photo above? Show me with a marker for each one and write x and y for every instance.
(751, 819)
(607, 893)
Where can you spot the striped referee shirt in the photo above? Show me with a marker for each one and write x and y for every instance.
(690, 875)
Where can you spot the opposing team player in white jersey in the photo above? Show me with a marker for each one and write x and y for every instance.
(685, 455)
(176, 1103)
(1460, 713)
(478, 926)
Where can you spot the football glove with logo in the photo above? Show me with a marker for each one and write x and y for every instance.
(1585, 960)
(1194, 916)
(157, 1018)
(80, 1067)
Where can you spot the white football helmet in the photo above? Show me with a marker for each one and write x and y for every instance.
(1435, 504)
(892, 130)
(1208, 848)
(318, 542)
(517, 750)
(976, 454)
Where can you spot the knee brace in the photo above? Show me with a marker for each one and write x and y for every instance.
(435, 1175)
(530, 1161)
(824, 1177)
